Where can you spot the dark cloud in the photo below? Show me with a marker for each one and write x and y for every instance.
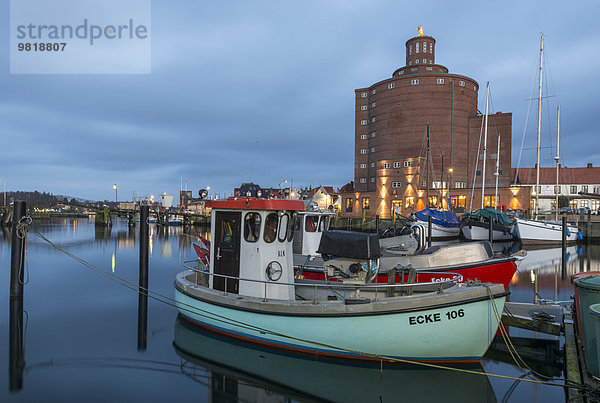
(264, 91)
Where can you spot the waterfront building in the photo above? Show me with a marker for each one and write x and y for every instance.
(391, 173)
(576, 185)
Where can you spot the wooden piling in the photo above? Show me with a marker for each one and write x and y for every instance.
(17, 253)
(143, 281)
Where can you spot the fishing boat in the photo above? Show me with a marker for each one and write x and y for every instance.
(250, 292)
(444, 223)
(476, 225)
(536, 231)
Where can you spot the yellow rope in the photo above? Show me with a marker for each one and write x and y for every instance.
(190, 308)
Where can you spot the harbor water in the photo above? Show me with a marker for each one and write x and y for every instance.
(87, 337)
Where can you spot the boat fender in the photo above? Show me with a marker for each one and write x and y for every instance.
(569, 232)
(579, 235)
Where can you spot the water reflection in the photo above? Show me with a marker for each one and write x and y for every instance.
(238, 371)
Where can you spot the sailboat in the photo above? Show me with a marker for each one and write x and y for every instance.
(536, 230)
(476, 225)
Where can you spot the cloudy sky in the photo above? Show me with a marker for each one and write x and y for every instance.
(264, 91)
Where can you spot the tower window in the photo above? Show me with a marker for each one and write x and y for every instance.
(373, 105)
(440, 81)
(401, 72)
(373, 119)
(416, 61)
(386, 165)
(372, 165)
(417, 47)
(424, 47)
(363, 122)
(363, 180)
(372, 179)
(396, 184)
(414, 81)
(363, 166)
(407, 163)
(391, 85)
(410, 50)
(461, 83)
(363, 150)
(373, 91)
(373, 134)
(429, 68)
(372, 149)
(431, 48)
(363, 136)
(424, 60)
(363, 107)
(364, 94)
(414, 69)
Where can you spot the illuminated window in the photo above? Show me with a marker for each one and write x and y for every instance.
(349, 205)
(489, 201)
(462, 200)
(433, 201)
(365, 203)
(409, 202)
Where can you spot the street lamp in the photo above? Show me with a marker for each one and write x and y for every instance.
(115, 188)
(450, 170)
(280, 188)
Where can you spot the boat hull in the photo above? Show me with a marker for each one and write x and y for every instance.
(451, 327)
(439, 232)
(532, 231)
(479, 231)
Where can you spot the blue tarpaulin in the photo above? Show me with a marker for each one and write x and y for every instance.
(445, 218)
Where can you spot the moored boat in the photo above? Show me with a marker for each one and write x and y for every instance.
(444, 223)
(250, 292)
(475, 226)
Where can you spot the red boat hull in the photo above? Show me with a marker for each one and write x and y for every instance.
(499, 271)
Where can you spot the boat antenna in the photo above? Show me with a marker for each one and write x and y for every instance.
(427, 194)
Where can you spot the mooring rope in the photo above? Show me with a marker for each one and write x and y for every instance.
(21, 232)
(223, 319)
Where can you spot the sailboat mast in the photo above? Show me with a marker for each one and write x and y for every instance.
(497, 174)
(556, 160)
(427, 162)
(539, 132)
(487, 96)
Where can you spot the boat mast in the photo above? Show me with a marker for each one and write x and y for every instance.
(427, 162)
(487, 95)
(497, 174)
(539, 132)
(556, 160)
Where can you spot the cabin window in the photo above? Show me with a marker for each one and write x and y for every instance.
(270, 227)
(324, 224)
(252, 227)
(290, 229)
(283, 227)
(311, 223)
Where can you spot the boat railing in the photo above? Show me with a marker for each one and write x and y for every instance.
(443, 280)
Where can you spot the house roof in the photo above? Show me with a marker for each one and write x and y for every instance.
(327, 189)
(576, 176)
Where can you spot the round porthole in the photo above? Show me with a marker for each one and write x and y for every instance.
(274, 271)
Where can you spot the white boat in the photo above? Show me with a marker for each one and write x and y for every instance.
(537, 231)
(250, 292)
